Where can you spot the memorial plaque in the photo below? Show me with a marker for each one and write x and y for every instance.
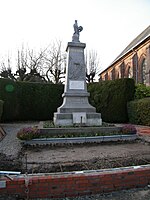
(76, 85)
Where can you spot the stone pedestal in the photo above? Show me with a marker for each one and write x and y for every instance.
(76, 109)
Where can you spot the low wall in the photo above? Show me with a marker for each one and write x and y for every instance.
(62, 185)
(76, 130)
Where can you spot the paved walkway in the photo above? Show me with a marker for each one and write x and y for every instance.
(10, 145)
(143, 130)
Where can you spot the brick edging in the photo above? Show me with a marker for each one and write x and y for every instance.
(60, 185)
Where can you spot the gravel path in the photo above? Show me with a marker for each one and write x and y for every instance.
(10, 145)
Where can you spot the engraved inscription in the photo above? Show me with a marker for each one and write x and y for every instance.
(77, 50)
(77, 100)
(77, 70)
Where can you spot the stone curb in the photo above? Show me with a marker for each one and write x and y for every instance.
(81, 140)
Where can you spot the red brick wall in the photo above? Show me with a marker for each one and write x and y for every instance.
(68, 185)
(127, 60)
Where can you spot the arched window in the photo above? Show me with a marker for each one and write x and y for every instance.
(143, 71)
(130, 72)
(122, 70)
(111, 75)
(118, 75)
(106, 76)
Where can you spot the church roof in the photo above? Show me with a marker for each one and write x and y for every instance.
(138, 40)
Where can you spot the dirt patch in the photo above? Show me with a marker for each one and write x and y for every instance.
(7, 163)
(77, 157)
(93, 164)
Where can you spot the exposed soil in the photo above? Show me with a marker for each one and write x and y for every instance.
(85, 157)
(77, 157)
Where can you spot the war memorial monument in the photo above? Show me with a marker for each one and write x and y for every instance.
(76, 110)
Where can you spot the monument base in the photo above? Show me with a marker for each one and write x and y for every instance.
(77, 119)
(76, 111)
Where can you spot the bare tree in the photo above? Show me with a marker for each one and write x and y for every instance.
(6, 71)
(29, 65)
(55, 63)
(21, 68)
(92, 65)
(48, 65)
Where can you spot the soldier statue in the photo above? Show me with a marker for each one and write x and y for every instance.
(77, 30)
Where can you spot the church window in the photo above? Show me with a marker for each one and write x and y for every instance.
(130, 72)
(143, 71)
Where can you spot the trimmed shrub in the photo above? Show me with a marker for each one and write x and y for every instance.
(29, 101)
(139, 111)
(110, 98)
(1, 108)
(142, 91)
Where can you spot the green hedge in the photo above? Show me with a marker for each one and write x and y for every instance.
(139, 111)
(1, 108)
(39, 101)
(110, 98)
(142, 91)
(29, 101)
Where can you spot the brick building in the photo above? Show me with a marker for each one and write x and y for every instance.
(133, 62)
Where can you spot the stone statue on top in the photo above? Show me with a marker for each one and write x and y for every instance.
(77, 30)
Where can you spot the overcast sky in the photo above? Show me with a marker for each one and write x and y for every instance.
(108, 25)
